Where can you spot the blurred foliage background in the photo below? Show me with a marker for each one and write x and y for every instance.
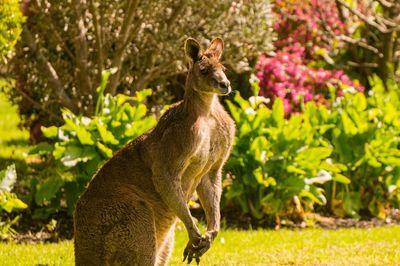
(316, 108)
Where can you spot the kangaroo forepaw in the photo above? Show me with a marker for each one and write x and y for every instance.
(196, 251)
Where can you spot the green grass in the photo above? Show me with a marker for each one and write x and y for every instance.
(377, 246)
(13, 140)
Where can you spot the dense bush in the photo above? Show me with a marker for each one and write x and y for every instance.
(365, 137)
(82, 144)
(276, 161)
(65, 46)
(10, 28)
(347, 157)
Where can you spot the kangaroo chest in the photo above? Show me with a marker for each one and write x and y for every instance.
(210, 147)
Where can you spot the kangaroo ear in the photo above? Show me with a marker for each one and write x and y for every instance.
(216, 48)
(192, 49)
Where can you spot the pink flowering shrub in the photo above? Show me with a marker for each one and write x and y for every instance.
(305, 22)
(288, 74)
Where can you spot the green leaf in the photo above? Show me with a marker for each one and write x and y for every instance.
(72, 155)
(234, 111)
(50, 132)
(106, 136)
(13, 203)
(360, 102)
(143, 94)
(348, 125)
(107, 152)
(278, 112)
(71, 193)
(341, 179)
(48, 189)
(293, 169)
(42, 148)
(335, 168)
(259, 146)
(140, 112)
(311, 196)
(85, 138)
(315, 154)
(58, 151)
(352, 203)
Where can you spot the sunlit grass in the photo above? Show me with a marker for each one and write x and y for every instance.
(377, 246)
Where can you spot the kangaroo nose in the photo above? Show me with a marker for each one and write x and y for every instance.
(225, 84)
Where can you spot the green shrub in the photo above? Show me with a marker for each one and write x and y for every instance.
(276, 160)
(82, 144)
(347, 157)
(366, 138)
(10, 28)
(9, 202)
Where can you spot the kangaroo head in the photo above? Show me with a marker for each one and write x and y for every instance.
(206, 72)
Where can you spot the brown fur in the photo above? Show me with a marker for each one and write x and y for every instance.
(128, 213)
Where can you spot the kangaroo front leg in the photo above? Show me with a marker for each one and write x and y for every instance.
(209, 192)
(170, 190)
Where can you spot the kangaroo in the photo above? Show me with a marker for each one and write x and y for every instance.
(127, 214)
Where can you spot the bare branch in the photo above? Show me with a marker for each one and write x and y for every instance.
(361, 43)
(124, 36)
(49, 22)
(367, 20)
(98, 35)
(81, 50)
(362, 65)
(47, 67)
(37, 104)
(156, 71)
(385, 3)
(387, 22)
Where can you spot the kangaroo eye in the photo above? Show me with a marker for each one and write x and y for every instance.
(204, 71)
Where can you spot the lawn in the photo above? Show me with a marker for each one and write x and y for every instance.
(376, 246)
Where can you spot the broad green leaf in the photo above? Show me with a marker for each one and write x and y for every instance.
(42, 148)
(71, 193)
(12, 203)
(278, 112)
(352, 203)
(72, 155)
(143, 94)
(58, 151)
(261, 118)
(311, 196)
(234, 110)
(48, 189)
(107, 152)
(106, 136)
(140, 112)
(330, 167)
(315, 154)
(85, 138)
(242, 102)
(296, 170)
(360, 102)
(348, 125)
(341, 179)
(50, 132)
